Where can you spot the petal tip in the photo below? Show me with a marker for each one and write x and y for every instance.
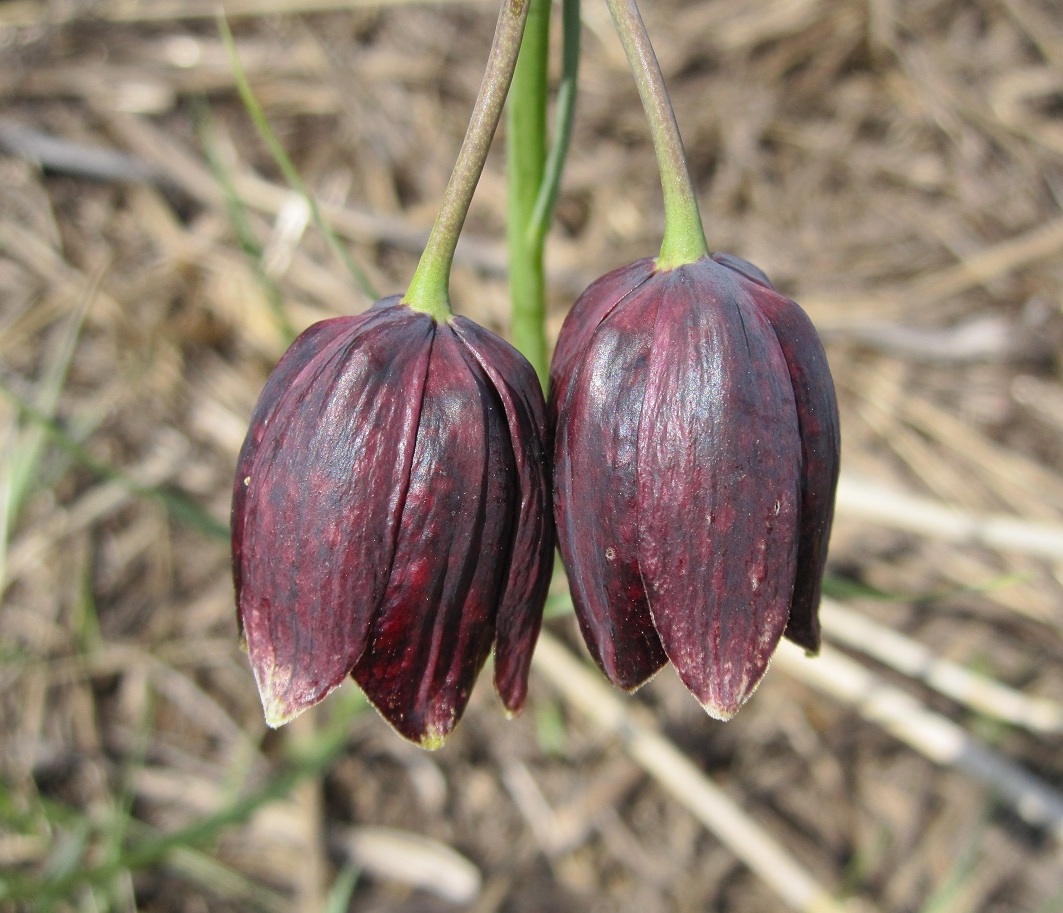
(278, 712)
(512, 691)
(427, 728)
(512, 711)
(721, 712)
(432, 739)
(725, 698)
(279, 705)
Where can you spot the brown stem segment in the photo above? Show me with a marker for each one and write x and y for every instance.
(684, 237)
(429, 288)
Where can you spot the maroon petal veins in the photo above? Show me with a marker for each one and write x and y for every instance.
(744, 267)
(817, 416)
(520, 610)
(595, 492)
(434, 629)
(306, 347)
(718, 486)
(590, 309)
(323, 504)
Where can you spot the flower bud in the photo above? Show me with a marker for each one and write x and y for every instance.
(695, 466)
(391, 519)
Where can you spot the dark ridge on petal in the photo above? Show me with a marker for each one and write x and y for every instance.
(434, 629)
(308, 346)
(323, 506)
(599, 300)
(747, 269)
(817, 416)
(595, 491)
(718, 487)
(531, 562)
(390, 302)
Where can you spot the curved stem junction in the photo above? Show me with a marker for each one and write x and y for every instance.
(684, 237)
(429, 289)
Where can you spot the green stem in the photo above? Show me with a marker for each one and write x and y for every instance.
(526, 165)
(684, 237)
(566, 110)
(429, 289)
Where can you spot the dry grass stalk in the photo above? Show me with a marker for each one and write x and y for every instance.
(718, 812)
(937, 737)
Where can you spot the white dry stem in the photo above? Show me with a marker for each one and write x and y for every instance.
(896, 509)
(718, 812)
(934, 736)
(412, 859)
(977, 692)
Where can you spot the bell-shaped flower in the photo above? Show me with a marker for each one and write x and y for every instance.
(391, 519)
(695, 466)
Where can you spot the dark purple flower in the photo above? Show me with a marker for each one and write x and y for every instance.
(695, 466)
(391, 519)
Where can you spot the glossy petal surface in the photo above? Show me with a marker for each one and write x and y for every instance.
(695, 467)
(391, 518)
(817, 415)
(520, 610)
(590, 309)
(718, 485)
(435, 627)
(596, 491)
(323, 504)
(301, 352)
(744, 267)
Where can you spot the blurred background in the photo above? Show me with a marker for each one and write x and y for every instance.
(894, 165)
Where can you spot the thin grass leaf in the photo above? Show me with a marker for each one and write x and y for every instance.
(77, 832)
(339, 895)
(956, 882)
(564, 116)
(122, 822)
(69, 873)
(284, 163)
(202, 869)
(240, 222)
(179, 505)
(26, 445)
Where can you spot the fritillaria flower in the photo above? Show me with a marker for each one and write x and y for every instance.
(391, 519)
(695, 467)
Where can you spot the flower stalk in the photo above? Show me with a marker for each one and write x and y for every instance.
(429, 289)
(534, 171)
(525, 167)
(684, 237)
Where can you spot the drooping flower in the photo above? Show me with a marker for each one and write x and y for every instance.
(391, 519)
(695, 466)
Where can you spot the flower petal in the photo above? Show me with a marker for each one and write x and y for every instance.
(817, 416)
(302, 351)
(595, 492)
(718, 452)
(744, 267)
(434, 629)
(591, 308)
(520, 611)
(322, 507)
